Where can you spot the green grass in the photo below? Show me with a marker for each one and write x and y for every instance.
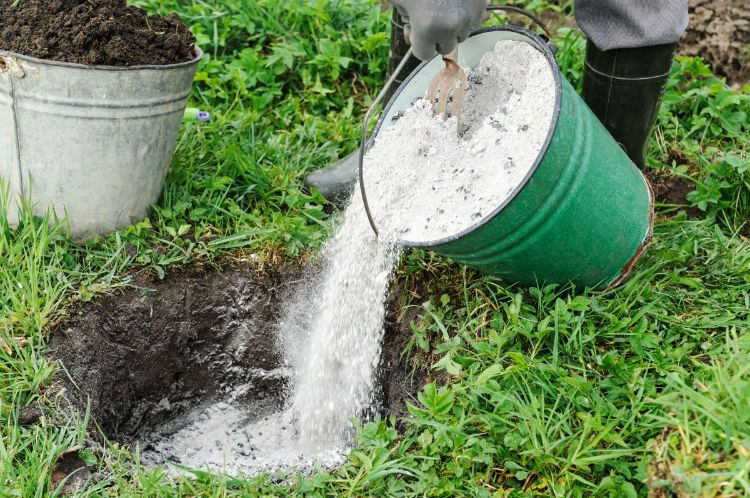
(545, 392)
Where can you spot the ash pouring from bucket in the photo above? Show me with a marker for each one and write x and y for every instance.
(333, 332)
(427, 182)
(249, 375)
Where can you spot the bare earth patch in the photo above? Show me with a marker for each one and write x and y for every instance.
(148, 359)
(719, 32)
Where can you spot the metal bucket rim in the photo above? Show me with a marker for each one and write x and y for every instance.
(75, 65)
(544, 47)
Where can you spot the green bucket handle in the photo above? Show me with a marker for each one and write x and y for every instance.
(363, 142)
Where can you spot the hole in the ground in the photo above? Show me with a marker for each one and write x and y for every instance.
(190, 367)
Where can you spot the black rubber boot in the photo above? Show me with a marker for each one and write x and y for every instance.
(335, 181)
(624, 88)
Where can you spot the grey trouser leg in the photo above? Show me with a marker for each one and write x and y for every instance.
(612, 24)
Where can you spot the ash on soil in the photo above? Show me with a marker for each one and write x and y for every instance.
(93, 32)
(719, 31)
(149, 359)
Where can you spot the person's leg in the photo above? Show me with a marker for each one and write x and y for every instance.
(631, 45)
(336, 180)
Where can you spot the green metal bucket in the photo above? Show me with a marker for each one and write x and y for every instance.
(583, 214)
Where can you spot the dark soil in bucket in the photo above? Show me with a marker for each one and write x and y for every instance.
(93, 32)
(193, 350)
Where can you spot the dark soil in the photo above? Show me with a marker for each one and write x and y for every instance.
(146, 357)
(719, 31)
(29, 415)
(70, 470)
(93, 32)
(672, 190)
(398, 383)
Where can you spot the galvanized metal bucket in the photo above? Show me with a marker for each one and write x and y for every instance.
(584, 212)
(93, 143)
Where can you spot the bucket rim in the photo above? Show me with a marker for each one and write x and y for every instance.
(199, 54)
(544, 47)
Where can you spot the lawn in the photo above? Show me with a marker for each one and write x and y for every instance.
(639, 391)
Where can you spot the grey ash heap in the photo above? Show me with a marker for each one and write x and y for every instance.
(450, 174)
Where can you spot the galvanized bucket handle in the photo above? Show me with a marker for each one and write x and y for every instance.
(392, 79)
